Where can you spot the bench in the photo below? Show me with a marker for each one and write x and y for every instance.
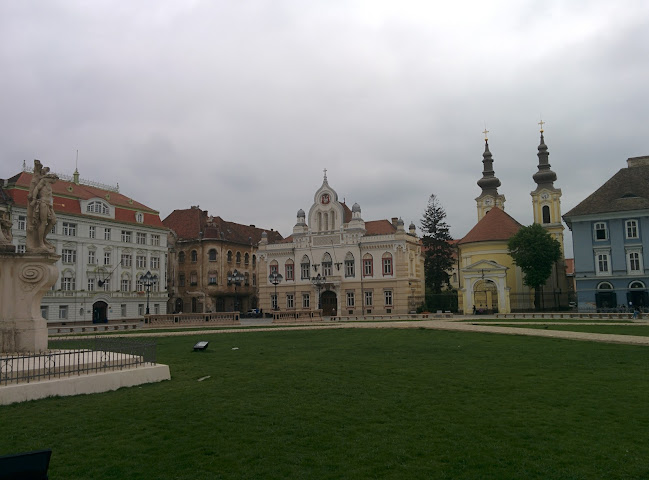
(25, 466)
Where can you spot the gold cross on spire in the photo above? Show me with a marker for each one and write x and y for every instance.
(485, 131)
(541, 123)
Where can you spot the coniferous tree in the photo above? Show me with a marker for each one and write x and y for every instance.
(436, 239)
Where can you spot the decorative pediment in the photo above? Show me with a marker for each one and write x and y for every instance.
(484, 266)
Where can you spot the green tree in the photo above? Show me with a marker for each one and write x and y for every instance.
(439, 258)
(535, 251)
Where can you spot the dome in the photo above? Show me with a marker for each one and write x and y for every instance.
(300, 213)
(412, 226)
(400, 222)
(356, 208)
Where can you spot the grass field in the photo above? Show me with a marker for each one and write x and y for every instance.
(638, 330)
(357, 404)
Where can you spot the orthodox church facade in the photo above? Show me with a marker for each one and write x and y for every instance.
(489, 279)
(338, 263)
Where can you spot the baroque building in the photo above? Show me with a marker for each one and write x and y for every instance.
(610, 230)
(490, 281)
(212, 262)
(337, 262)
(107, 242)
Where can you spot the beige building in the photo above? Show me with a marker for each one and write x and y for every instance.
(212, 262)
(336, 261)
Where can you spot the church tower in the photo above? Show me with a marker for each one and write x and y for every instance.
(546, 199)
(489, 184)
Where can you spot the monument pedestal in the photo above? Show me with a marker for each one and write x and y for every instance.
(24, 279)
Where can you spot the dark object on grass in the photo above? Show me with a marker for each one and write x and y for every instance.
(25, 466)
(201, 346)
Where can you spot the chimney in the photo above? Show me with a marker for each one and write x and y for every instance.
(637, 161)
(394, 221)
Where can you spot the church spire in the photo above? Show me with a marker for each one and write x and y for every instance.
(489, 183)
(544, 177)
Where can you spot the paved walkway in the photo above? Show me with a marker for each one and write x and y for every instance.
(445, 324)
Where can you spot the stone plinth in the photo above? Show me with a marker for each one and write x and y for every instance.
(24, 279)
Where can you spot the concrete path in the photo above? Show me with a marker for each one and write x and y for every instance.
(445, 324)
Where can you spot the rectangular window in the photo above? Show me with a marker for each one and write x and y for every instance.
(388, 298)
(140, 238)
(69, 229)
(600, 231)
(181, 280)
(123, 309)
(634, 262)
(350, 299)
(107, 259)
(387, 266)
(155, 240)
(140, 261)
(327, 269)
(368, 269)
(368, 299)
(22, 222)
(631, 229)
(211, 278)
(349, 268)
(126, 236)
(106, 233)
(21, 249)
(92, 231)
(127, 260)
(289, 271)
(68, 255)
(92, 258)
(155, 263)
(106, 285)
(63, 312)
(140, 309)
(306, 301)
(289, 300)
(156, 308)
(44, 312)
(273, 301)
(273, 268)
(91, 284)
(193, 278)
(602, 263)
(304, 267)
(126, 285)
(67, 283)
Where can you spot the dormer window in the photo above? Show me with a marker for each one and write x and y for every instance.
(98, 207)
(601, 232)
(139, 217)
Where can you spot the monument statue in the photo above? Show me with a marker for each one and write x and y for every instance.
(40, 210)
(6, 236)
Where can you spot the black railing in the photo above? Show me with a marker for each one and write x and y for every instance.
(75, 357)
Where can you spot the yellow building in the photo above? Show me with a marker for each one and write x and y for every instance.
(489, 280)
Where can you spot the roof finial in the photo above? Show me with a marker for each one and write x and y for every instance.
(325, 174)
(541, 123)
(485, 131)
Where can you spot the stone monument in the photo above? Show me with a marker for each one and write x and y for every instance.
(24, 278)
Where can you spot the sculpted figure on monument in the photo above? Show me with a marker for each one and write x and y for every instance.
(5, 230)
(40, 210)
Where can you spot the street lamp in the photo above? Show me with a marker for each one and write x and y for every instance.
(148, 280)
(319, 281)
(235, 278)
(275, 278)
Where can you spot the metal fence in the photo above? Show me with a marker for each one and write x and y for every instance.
(75, 357)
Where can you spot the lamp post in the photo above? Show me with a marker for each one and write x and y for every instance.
(275, 278)
(235, 278)
(319, 281)
(148, 281)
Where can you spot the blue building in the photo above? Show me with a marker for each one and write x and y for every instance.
(610, 233)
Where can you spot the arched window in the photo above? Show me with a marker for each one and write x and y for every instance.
(368, 265)
(289, 273)
(305, 268)
(546, 214)
(238, 258)
(327, 265)
(254, 261)
(246, 259)
(274, 267)
(194, 256)
(181, 257)
(211, 255)
(637, 285)
(387, 263)
(229, 256)
(605, 297)
(97, 207)
(349, 265)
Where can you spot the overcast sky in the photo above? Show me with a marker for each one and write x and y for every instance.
(238, 106)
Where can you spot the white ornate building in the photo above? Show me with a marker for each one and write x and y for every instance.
(107, 242)
(372, 267)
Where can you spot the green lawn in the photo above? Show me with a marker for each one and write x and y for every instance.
(357, 404)
(638, 330)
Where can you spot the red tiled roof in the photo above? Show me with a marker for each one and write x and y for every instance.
(379, 227)
(189, 223)
(67, 196)
(347, 213)
(495, 225)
